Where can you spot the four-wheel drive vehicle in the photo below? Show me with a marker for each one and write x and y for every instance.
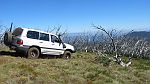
(34, 42)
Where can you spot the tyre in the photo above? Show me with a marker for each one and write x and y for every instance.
(66, 55)
(8, 38)
(33, 53)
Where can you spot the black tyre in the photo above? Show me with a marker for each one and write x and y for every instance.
(33, 53)
(8, 38)
(66, 55)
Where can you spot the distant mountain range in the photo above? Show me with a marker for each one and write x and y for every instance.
(140, 34)
(135, 34)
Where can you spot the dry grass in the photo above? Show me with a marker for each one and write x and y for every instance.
(3, 47)
(81, 69)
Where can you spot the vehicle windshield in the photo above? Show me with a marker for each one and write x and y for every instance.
(17, 32)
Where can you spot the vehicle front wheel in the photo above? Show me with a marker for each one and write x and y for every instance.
(33, 53)
(66, 55)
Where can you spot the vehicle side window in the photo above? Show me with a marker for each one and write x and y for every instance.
(44, 36)
(33, 34)
(54, 39)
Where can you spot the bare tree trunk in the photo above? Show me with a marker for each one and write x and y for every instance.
(117, 58)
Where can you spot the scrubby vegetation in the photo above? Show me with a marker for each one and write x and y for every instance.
(92, 64)
(4, 48)
(82, 68)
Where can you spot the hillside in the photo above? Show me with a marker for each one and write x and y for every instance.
(82, 68)
(140, 34)
(98, 36)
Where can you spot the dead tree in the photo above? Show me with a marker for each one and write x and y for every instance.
(113, 41)
(57, 30)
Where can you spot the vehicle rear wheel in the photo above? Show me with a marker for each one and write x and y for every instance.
(33, 53)
(66, 55)
(7, 38)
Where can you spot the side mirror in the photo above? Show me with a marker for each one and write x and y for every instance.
(60, 41)
(57, 40)
(64, 46)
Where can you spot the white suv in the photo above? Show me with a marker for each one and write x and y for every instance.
(34, 42)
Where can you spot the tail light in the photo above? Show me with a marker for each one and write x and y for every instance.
(20, 42)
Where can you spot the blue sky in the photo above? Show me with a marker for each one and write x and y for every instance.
(76, 15)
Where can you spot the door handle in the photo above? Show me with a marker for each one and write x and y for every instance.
(53, 44)
(41, 42)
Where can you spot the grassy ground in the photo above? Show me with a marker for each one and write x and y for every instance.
(80, 69)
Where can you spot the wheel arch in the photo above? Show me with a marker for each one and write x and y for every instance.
(36, 47)
(69, 50)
